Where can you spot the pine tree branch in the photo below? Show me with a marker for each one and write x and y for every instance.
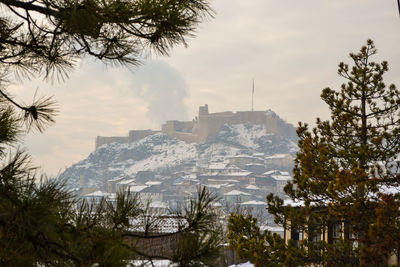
(29, 6)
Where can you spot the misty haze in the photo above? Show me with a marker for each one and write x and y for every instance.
(199, 133)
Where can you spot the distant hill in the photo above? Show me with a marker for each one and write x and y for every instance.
(160, 155)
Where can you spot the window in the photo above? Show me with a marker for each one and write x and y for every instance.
(297, 235)
(315, 235)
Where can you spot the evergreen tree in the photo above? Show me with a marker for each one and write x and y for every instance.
(40, 223)
(48, 36)
(346, 169)
(346, 173)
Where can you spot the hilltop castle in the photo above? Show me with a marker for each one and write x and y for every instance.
(204, 126)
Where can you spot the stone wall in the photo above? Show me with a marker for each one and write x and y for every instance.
(135, 135)
(177, 126)
(205, 125)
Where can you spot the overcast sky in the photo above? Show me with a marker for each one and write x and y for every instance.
(291, 48)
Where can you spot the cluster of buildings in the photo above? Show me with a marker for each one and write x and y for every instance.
(241, 182)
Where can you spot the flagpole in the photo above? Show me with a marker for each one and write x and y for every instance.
(252, 98)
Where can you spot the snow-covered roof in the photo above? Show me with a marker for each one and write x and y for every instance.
(390, 190)
(277, 156)
(159, 204)
(153, 183)
(254, 202)
(97, 194)
(216, 186)
(292, 203)
(383, 190)
(136, 188)
(191, 176)
(246, 264)
(216, 204)
(223, 180)
(281, 177)
(243, 157)
(236, 193)
(271, 172)
(217, 166)
(168, 224)
(254, 164)
(156, 263)
(252, 187)
(238, 174)
(274, 229)
(116, 179)
(126, 182)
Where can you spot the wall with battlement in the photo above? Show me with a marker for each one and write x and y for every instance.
(205, 125)
(209, 124)
(133, 135)
(177, 126)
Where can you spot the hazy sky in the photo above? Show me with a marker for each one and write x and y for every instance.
(290, 47)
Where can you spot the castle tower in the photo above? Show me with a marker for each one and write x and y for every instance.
(203, 110)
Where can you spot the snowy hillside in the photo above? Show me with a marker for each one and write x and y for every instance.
(162, 155)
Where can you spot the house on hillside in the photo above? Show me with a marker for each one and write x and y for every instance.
(112, 184)
(122, 185)
(95, 198)
(254, 206)
(279, 161)
(236, 196)
(257, 168)
(242, 160)
(146, 193)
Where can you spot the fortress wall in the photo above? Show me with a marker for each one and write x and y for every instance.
(272, 124)
(203, 110)
(253, 117)
(211, 124)
(140, 134)
(215, 124)
(102, 140)
(184, 126)
(207, 124)
(201, 128)
(177, 126)
(225, 114)
(186, 137)
(168, 127)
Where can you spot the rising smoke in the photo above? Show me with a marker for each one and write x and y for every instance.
(163, 89)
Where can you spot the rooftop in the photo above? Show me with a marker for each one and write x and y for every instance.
(236, 193)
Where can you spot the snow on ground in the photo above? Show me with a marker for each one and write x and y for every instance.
(164, 155)
(161, 153)
(219, 152)
(157, 263)
(246, 264)
(245, 135)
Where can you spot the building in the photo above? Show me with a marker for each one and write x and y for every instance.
(204, 126)
(331, 232)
